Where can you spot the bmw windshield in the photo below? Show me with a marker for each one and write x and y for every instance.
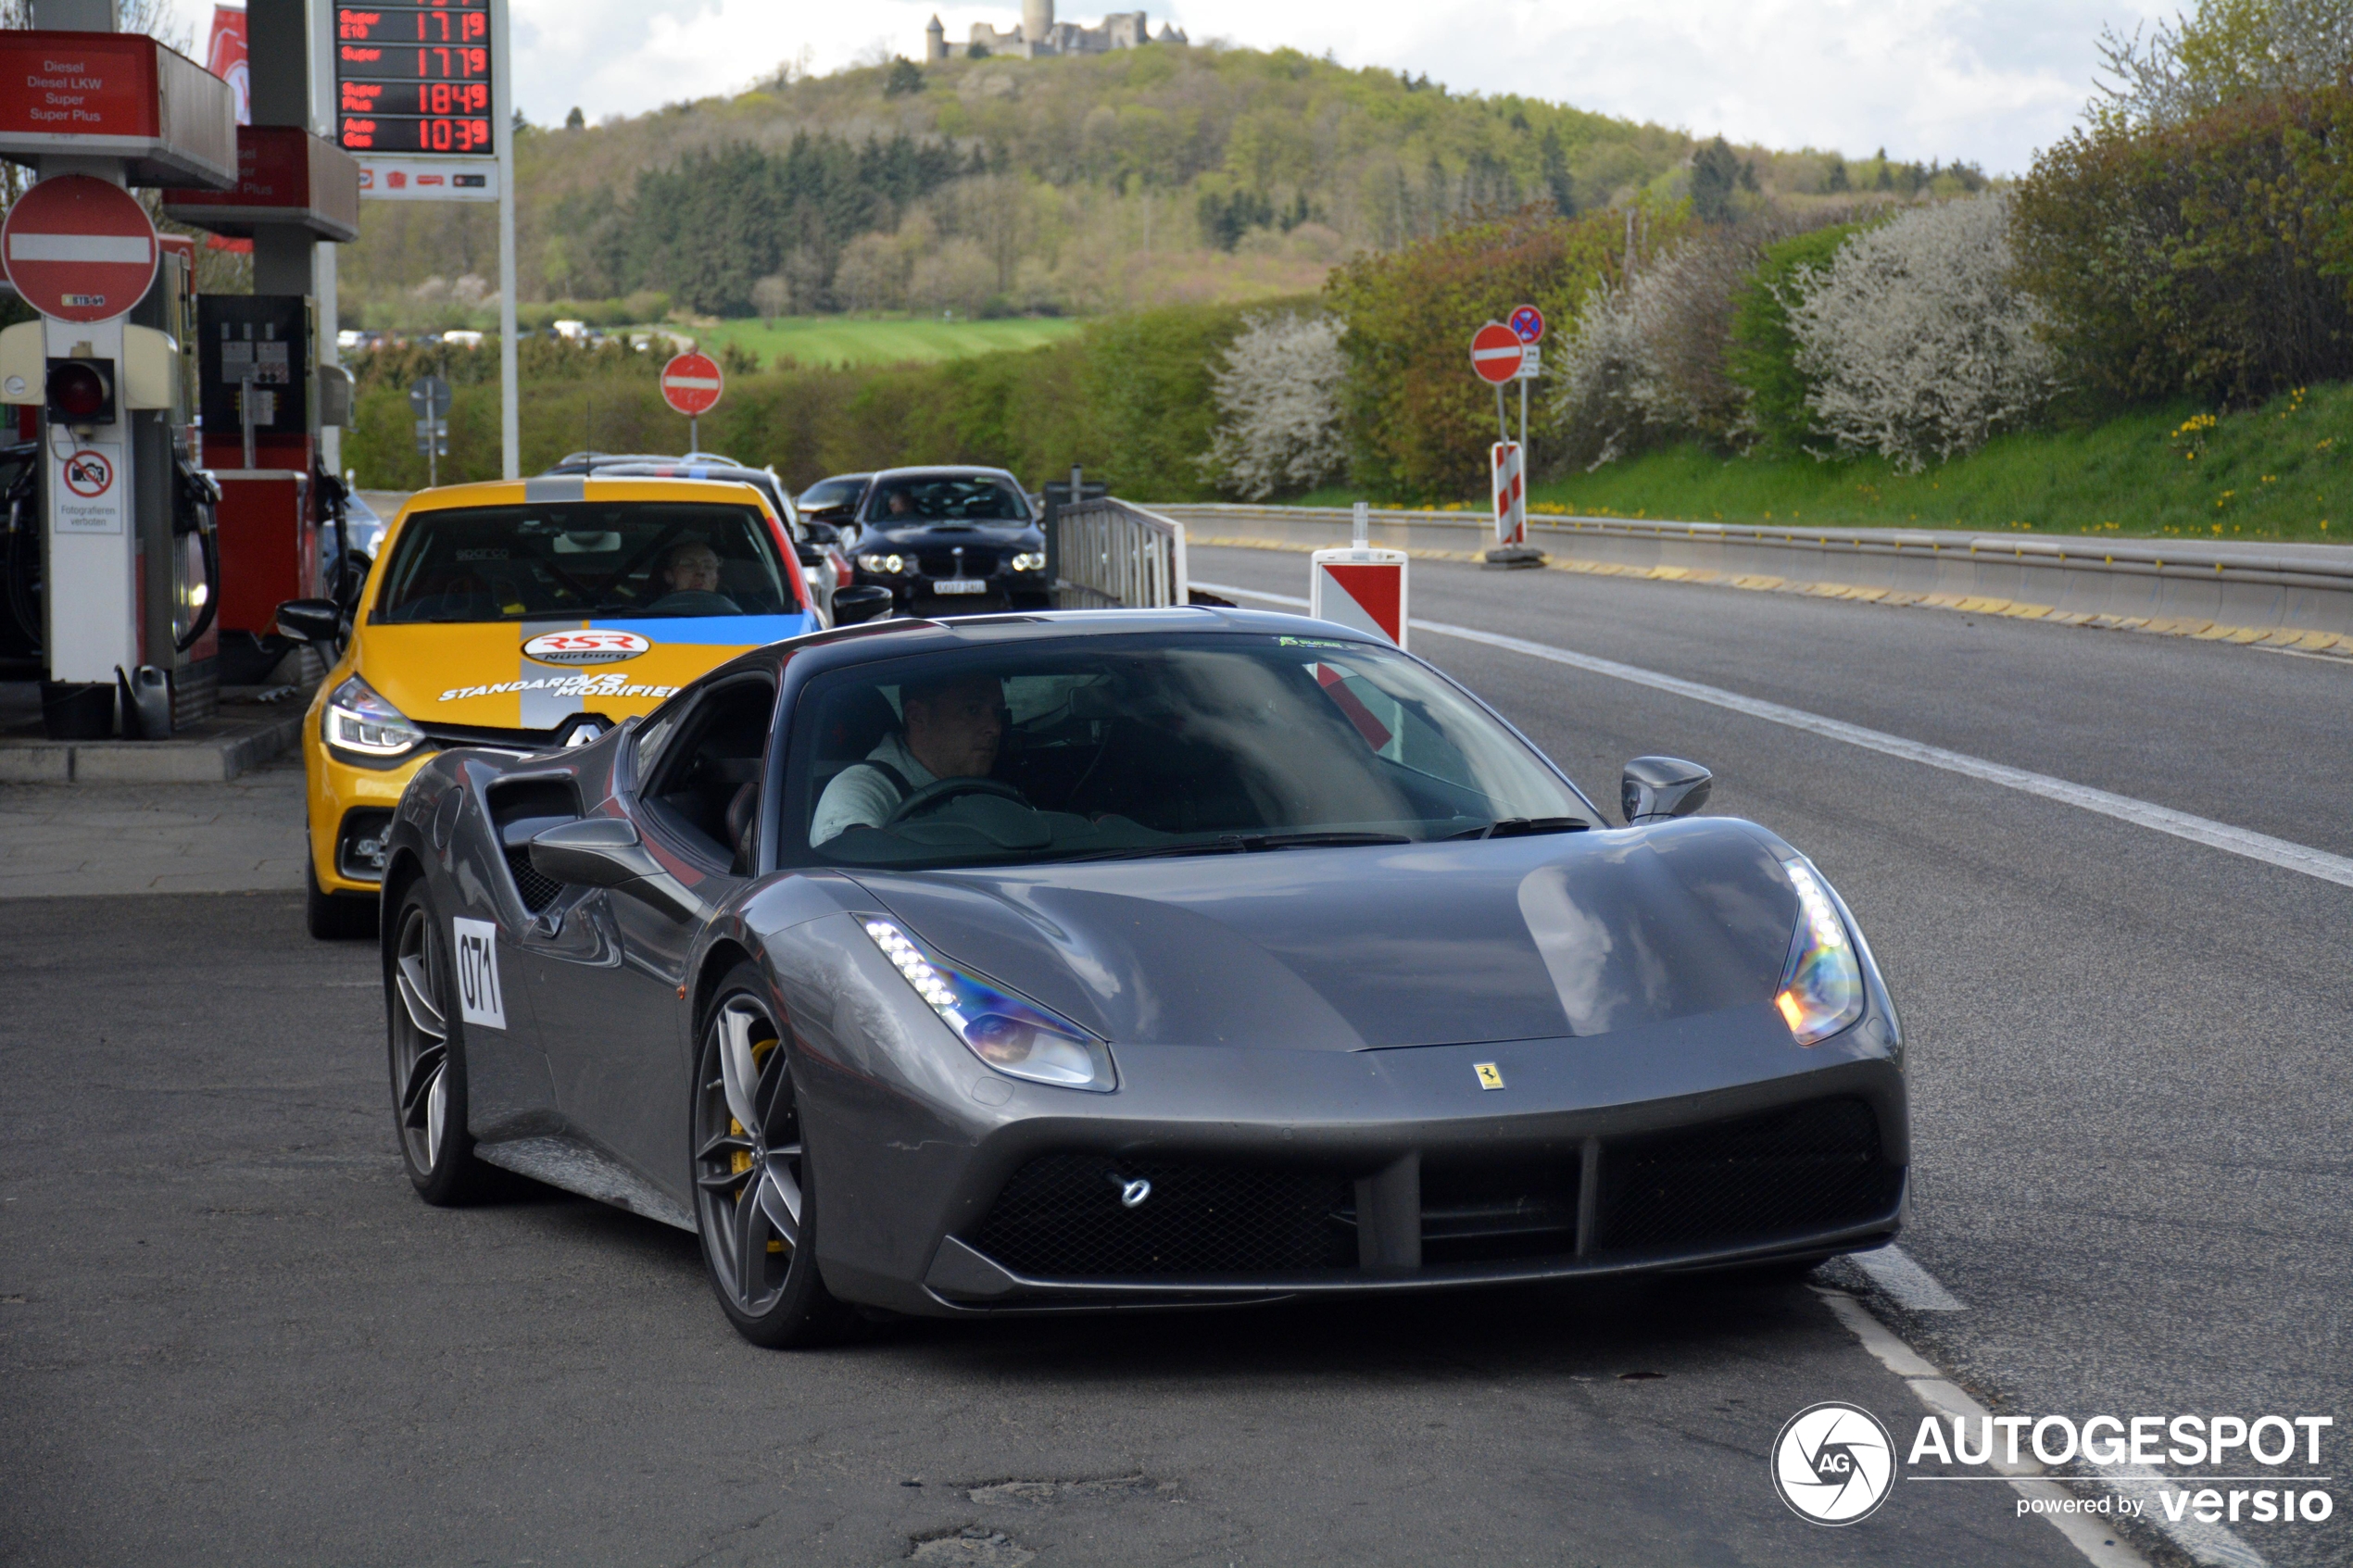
(585, 558)
(1211, 744)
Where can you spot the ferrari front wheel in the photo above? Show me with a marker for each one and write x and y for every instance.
(427, 1060)
(754, 1200)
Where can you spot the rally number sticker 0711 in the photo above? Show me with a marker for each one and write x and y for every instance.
(479, 1000)
(585, 647)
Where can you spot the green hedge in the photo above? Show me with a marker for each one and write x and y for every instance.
(1128, 398)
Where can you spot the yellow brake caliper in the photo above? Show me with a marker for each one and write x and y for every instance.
(742, 1159)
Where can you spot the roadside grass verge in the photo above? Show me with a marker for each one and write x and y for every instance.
(2281, 471)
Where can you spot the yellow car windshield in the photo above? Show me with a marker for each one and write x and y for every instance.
(585, 558)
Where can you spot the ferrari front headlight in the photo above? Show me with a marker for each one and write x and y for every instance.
(1010, 1034)
(1822, 984)
(357, 719)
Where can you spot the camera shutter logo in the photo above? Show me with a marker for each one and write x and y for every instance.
(1833, 1464)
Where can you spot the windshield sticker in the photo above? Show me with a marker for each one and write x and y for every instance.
(1309, 643)
(585, 647)
(481, 555)
(561, 685)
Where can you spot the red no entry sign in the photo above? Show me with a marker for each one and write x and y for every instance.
(79, 249)
(691, 383)
(1496, 352)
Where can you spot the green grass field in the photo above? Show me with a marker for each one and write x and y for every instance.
(880, 339)
(2283, 471)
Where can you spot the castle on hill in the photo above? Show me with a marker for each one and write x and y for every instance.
(1039, 35)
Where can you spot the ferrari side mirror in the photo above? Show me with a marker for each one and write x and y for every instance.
(1656, 788)
(592, 852)
(606, 852)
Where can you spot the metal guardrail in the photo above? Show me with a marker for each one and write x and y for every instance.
(1110, 553)
(2235, 583)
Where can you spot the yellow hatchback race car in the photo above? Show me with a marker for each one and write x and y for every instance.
(524, 616)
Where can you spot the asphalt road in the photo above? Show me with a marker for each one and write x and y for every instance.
(229, 1331)
(233, 1334)
(2132, 1078)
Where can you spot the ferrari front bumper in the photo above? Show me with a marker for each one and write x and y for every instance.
(1217, 1174)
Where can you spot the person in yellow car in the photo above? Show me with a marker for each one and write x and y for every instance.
(525, 616)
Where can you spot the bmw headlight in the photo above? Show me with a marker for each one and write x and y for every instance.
(1030, 561)
(1008, 1034)
(1822, 985)
(357, 719)
(889, 566)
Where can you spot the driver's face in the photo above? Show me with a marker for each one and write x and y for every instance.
(692, 569)
(955, 732)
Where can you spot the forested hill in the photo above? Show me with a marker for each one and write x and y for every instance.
(1078, 186)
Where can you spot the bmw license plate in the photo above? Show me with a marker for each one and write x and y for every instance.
(960, 585)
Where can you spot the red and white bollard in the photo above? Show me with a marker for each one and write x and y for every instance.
(1360, 586)
(1511, 496)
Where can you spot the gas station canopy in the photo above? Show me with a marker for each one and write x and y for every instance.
(285, 176)
(119, 95)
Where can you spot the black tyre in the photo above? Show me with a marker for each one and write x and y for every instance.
(336, 916)
(427, 1055)
(755, 1201)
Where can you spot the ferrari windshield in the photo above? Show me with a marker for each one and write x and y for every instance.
(1203, 745)
(585, 558)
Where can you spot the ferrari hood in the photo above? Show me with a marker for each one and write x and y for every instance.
(1350, 949)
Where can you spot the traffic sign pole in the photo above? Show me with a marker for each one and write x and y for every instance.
(691, 383)
(1502, 353)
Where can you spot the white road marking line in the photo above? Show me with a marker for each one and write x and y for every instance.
(2254, 846)
(2099, 1544)
(1895, 1272)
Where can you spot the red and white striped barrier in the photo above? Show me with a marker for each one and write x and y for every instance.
(1360, 587)
(1511, 494)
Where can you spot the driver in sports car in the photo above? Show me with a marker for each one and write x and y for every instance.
(950, 729)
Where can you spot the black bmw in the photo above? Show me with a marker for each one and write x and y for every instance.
(963, 537)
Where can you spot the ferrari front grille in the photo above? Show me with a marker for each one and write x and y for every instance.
(1487, 1211)
(1808, 1168)
(1091, 1216)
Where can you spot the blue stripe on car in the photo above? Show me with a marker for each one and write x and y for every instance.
(728, 631)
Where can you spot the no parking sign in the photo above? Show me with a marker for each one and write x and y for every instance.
(1360, 587)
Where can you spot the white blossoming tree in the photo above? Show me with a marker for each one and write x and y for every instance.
(1278, 406)
(1917, 345)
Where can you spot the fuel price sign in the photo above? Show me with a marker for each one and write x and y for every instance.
(413, 93)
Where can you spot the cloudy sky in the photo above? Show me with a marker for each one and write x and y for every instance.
(1985, 80)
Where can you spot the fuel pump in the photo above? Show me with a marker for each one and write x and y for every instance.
(109, 589)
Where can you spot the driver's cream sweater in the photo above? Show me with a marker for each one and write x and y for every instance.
(864, 797)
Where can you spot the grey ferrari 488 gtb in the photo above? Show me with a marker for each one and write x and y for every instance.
(1127, 958)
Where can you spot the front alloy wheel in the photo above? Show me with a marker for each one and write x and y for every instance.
(752, 1190)
(428, 1066)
